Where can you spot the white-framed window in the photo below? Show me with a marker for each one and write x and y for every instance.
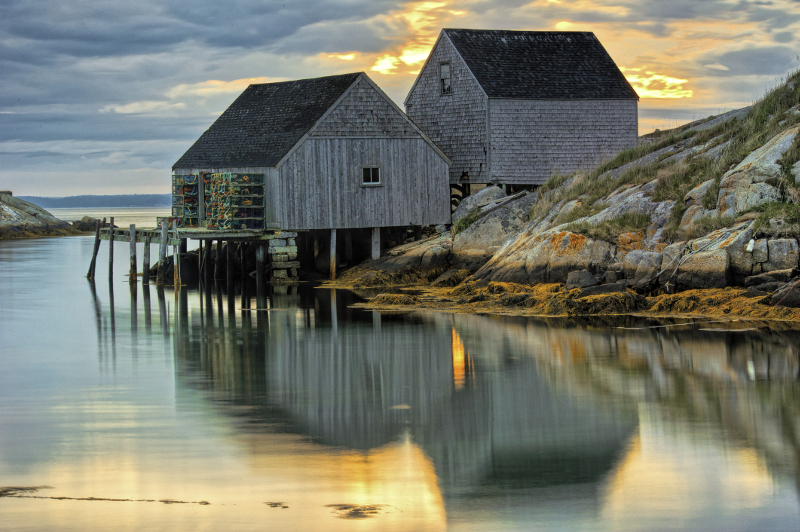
(444, 78)
(371, 176)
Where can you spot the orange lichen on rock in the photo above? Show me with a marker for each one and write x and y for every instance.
(627, 242)
(574, 243)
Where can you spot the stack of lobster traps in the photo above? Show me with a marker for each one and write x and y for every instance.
(234, 201)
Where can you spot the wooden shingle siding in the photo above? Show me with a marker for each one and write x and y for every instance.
(534, 139)
(323, 184)
(364, 112)
(456, 122)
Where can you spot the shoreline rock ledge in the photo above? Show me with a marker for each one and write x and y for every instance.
(22, 219)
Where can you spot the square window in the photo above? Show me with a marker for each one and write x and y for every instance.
(444, 78)
(371, 176)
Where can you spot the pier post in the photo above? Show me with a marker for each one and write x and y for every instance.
(218, 261)
(261, 259)
(162, 256)
(93, 264)
(229, 267)
(111, 248)
(132, 273)
(146, 259)
(333, 254)
(176, 258)
(207, 259)
(376, 243)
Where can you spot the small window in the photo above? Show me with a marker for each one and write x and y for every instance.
(444, 77)
(371, 176)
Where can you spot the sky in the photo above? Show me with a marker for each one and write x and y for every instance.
(103, 96)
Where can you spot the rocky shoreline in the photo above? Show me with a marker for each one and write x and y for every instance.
(22, 219)
(703, 219)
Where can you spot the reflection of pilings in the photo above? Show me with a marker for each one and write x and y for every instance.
(98, 320)
(113, 324)
(162, 313)
(147, 318)
(134, 309)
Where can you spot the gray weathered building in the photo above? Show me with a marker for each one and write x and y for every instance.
(332, 152)
(515, 107)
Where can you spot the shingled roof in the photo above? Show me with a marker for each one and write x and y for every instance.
(265, 122)
(541, 64)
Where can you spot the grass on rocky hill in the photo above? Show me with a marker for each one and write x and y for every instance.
(630, 222)
(766, 118)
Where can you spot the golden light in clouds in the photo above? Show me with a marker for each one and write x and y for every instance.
(423, 21)
(344, 57)
(653, 85)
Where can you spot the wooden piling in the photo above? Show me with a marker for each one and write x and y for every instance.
(207, 260)
(162, 256)
(132, 273)
(231, 269)
(146, 259)
(333, 254)
(376, 243)
(261, 259)
(176, 259)
(218, 261)
(93, 264)
(111, 248)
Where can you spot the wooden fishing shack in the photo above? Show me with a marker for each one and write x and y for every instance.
(315, 155)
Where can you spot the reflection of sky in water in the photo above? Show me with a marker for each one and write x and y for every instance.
(464, 422)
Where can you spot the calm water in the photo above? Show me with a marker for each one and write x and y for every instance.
(123, 216)
(309, 415)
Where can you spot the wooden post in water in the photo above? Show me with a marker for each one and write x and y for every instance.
(261, 259)
(111, 248)
(162, 256)
(376, 243)
(229, 265)
(93, 264)
(218, 261)
(176, 259)
(333, 254)
(146, 259)
(207, 260)
(132, 273)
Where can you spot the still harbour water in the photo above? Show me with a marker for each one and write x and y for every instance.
(137, 410)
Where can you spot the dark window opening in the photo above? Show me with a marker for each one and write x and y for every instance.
(371, 176)
(444, 77)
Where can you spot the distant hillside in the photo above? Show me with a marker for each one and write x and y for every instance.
(122, 200)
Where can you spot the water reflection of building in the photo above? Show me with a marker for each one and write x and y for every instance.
(543, 413)
(359, 380)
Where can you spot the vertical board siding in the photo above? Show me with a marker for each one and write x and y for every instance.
(324, 176)
(456, 122)
(534, 139)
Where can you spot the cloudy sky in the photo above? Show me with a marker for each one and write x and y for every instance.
(103, 96)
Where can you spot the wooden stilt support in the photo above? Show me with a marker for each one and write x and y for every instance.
(111, 248)
(132, 273)
(176, 259)
(218, 261)
(162, 257)
(333, 254)
(96, 248)
(229, 266)
(261, 259)
(207, 259)
(146, 259)
(376, 243)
